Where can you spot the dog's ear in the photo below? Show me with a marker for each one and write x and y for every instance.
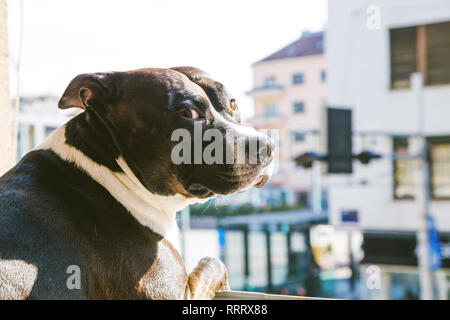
(89, 89)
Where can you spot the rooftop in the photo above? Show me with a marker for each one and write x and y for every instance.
(308, 44)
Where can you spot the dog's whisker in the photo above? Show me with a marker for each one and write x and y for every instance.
(203, 211)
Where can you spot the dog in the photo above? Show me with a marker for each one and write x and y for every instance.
(98, 199)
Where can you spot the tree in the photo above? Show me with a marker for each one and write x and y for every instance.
(7, 155)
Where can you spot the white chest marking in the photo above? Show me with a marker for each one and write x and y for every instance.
(151, 210)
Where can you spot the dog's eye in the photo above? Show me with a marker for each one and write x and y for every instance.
(191, 114)
(233, 104)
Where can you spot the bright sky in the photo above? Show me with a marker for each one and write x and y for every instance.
(64, 38)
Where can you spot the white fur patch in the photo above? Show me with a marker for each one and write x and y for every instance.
(17, 278)
(154, 211)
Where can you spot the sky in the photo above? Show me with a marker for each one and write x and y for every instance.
(64, 38)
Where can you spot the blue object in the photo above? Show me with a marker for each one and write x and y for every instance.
(222, 233)
(435, 244)
(349, 216)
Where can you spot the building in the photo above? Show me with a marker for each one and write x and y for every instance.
(39, 117)
(372, 49)
(289, 93)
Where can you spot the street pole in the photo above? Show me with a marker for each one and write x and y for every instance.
(185, 226)
(316, 187)
(423, 193)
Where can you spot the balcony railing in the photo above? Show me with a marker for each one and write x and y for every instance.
(267, 120)
(244, 295)
(268, 90)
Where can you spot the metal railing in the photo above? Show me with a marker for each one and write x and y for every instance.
(244, 295)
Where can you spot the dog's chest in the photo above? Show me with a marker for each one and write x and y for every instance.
(155, 271)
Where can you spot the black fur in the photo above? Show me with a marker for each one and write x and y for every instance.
(52, 215)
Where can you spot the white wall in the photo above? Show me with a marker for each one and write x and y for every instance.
(358, 64)
(359, 78)
(195, 246)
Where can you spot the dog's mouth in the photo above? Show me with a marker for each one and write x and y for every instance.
(262, 181)
(201, 191)
(227, 183)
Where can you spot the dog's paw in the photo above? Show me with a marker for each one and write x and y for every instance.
(210, 275)
(216, 268)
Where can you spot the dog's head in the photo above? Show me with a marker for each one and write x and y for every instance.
(178, 130)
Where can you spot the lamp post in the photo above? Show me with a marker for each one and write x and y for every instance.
(422, 192)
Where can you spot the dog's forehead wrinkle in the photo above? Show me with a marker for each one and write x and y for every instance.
(186, 88)
(171, 97)
(186, 95)
(213, 90)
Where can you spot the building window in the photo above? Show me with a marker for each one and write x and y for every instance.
(31, 137)
(439, 157)
(299, 136)
(323, 76)
(423, 48)
(403, 170)
(299, 107)
(403, 56)
(271, 110)
(270, 82)
(298, 78)
(437, 53)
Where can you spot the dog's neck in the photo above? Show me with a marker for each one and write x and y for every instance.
(154, 211)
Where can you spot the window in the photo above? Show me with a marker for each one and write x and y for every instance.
(270, 82)
(299, 107)
(298, 78)
(403, 171)
(438, 52)
(319, 45)
(299, 136)
(403, 56)
(323, 75)
(423, 48)
(271, 110)
(439, 157)
(31, 137)
(439, 166)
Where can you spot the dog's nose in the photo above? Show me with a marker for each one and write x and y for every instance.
(259, 149)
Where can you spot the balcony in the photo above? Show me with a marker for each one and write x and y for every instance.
(270, 90)
(267, 121)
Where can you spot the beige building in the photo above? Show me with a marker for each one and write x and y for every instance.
(289, 94)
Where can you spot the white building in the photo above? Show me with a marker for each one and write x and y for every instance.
(38, 118)
(372, 48)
